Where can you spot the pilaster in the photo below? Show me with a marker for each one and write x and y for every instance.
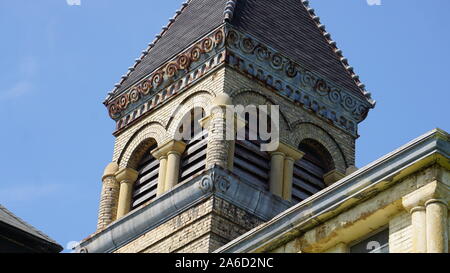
(126, 178)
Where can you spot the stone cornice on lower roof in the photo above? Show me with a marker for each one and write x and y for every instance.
(433, 147)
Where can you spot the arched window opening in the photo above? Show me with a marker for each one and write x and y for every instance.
(250, 162)
(309, 171)
(146, 184)
(193, 160)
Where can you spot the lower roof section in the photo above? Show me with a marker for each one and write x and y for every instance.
(214, 182)
(22, 237)
(431, 148)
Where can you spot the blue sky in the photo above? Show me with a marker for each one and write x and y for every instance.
(57, 62)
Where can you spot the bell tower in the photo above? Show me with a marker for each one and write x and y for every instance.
(181, 180)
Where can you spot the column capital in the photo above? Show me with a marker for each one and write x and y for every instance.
(170, 146)
(440, 201)
(127, 175)
(417, 208)
(432, 191)
(275, 153)
(222, 99)
(289, 151)
(110, 170)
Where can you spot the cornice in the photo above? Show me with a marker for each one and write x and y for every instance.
(295, 82)
(244, 53)
(168, 80)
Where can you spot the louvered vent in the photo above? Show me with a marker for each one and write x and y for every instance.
(250, 163)
(146, 185)
(193, 160)
(308, 174)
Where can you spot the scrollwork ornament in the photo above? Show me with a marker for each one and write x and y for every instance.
(196, 53)
(262, 53)
(114, 110)
(183, 62)
(247, 45)
(277, 61)
(207, 45)
(124, 101)
(158, 78)
(232, 38)
(335, 95)
(321, 87)
(349, 103)
(308, 79)
(145, 87)
(218, 37)
(134, 95)
(360, 112)
(291, 70)
(171, 70)
(206, 184)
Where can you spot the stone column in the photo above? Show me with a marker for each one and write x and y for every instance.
(162, 157)
(109, 196)
(220, 150)
(174, 151)
(169, 155)
(419, 229)
(173, 170)
(290, 156)
(429, 216)
(287, 178)
(162, 176)
(276, 173)
(126, 178)
(437, 226)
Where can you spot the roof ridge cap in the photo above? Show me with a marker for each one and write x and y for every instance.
(338, 52)
(147, 50)
(228, 13)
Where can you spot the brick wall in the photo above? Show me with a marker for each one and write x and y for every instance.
(200, 229)
(400, 233)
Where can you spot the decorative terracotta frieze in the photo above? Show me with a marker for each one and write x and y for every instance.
(295, 82)
(250, 57)
(165, 75)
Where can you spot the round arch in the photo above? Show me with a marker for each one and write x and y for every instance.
(140, 142)
(200, 99)
(307, 131)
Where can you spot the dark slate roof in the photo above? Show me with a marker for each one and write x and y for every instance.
(10, 219)
(197, 19)
(288, 27)
(285, 25)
